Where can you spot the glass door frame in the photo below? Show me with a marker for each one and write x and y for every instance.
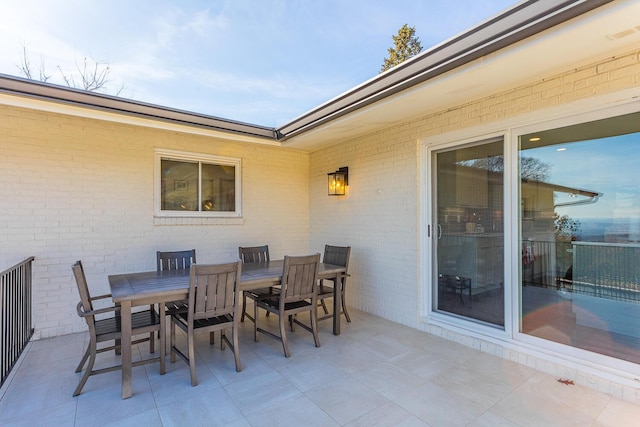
(430, 238)
(591, 109)
(602, 361)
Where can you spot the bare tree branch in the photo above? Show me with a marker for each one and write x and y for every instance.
(91, 75)
(94, 75)
(26, 68)
(25, 65)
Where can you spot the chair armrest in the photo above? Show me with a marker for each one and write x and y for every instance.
(83, 313)
(339, 276)
(100, 297)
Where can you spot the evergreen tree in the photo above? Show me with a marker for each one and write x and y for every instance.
(406, 45)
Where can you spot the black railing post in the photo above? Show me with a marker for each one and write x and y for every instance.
(16, 314)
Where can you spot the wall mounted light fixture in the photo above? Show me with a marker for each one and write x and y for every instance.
(338, 181)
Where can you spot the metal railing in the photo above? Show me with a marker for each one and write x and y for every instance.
(16, 316)
(598, 269)
(546, 263)
(607, 270)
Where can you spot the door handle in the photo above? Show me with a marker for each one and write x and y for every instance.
(439, 231)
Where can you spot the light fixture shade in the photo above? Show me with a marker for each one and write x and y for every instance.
(338, 181)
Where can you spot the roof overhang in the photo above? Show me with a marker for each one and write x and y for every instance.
(59, 99)
(529, 41)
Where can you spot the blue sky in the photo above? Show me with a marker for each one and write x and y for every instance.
(262, 62)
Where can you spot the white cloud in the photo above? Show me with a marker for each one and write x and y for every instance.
(176, 24)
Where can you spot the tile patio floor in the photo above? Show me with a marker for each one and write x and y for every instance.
(375, 373)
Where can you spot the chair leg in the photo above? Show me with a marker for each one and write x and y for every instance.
(153, 308)
(192, 358)
(222, 339)
(87, 373)
(84, 359)
(244, 307)
(152, 342)
(344, 309)
(236, 349)
(256, 336)
(172, 341)
(314, 327)
(324, 306)
(212, 336)
(283, 335)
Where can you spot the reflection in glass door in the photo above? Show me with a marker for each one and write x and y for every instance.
(580, 236)
(469, 240)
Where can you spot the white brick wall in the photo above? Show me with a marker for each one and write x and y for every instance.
(73, 188)
(378, 218)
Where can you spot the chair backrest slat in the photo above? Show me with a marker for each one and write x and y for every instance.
(254, 253)
(337, 255)
(83, 288)
(175, 260)
(299, 277)
(213, 289)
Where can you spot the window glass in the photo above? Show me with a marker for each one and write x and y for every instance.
(580, 236)
(218, 187)
(469, 242)
(179, 185)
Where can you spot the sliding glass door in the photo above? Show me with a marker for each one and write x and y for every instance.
(468, 243)
(580, 236)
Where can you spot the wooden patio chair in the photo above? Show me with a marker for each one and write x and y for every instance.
(102, 329)
(336, 255)
(297, 295)
(175, 260)
(250, 254)
(212, 306)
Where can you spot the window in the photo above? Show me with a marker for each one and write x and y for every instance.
(190, 184)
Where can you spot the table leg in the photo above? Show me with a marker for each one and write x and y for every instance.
(337, 305)
(125, 317)
(163, 336)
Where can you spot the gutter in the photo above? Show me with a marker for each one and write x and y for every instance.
(42, 91)
(591, 196)
(590, 200)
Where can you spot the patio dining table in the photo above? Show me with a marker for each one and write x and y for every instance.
(158, 287)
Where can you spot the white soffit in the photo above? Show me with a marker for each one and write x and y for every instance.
(609, 30)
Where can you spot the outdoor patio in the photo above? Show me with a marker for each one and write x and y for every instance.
(375, 373)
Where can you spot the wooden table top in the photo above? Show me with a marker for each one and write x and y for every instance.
(175, 283)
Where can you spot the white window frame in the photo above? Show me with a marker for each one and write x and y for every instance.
(592, 114)
(160, 154)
